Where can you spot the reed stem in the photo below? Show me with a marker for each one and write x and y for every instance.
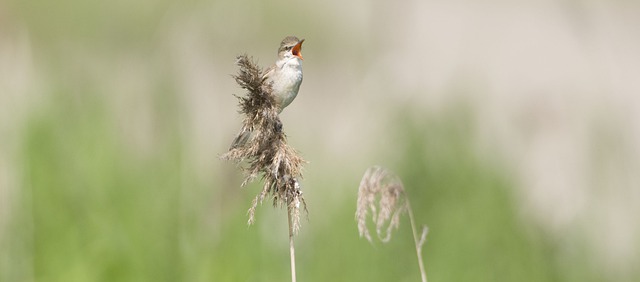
(423, 272)
(292, 250)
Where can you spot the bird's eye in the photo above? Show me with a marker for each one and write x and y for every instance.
(288, 48)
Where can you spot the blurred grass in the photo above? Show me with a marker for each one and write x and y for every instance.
(99, 212)
(92, 208)
(459, 196)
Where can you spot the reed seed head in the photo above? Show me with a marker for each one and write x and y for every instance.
(262, 144)
(382, 194)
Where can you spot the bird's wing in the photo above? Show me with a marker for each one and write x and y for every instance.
(268, 72)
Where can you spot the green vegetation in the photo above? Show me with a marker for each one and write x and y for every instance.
(99, 213)
(100, 199)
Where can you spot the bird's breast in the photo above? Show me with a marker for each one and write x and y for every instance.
(286, 83)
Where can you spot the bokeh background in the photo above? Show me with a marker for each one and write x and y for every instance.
(515, 126)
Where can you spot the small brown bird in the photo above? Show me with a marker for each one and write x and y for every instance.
(286, 73)
(285, 77)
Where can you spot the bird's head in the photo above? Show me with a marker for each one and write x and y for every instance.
(290, 47)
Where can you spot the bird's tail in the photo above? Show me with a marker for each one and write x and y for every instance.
(241, 140)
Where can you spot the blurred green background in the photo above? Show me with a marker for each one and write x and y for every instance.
(514, 128)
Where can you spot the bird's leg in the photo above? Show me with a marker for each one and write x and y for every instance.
(277, 127)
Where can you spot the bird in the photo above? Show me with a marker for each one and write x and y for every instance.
(285, 75)
(285, 78)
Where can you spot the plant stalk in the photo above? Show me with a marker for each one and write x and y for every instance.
(416, 241)
(292, 250)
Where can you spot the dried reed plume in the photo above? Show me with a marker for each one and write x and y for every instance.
(263, 145)
(385, 187)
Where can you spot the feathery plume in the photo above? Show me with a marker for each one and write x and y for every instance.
(380, 185)
(262, 143)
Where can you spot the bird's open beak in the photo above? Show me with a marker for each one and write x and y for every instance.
(297, 50)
